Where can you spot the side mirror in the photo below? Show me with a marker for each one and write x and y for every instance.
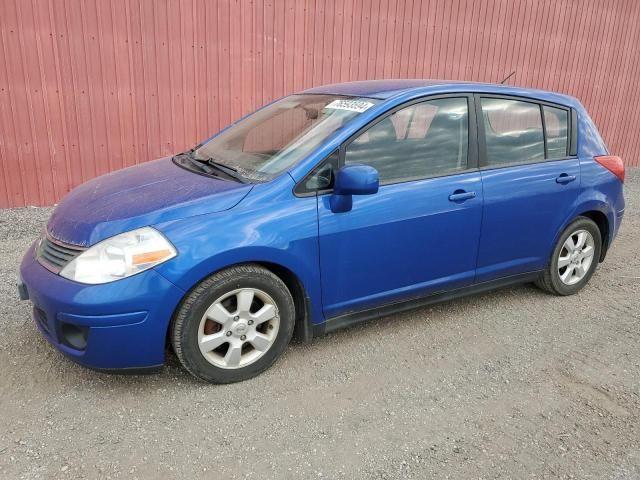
(353, 180)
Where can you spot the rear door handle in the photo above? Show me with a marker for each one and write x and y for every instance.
(564, 178)
(461, 196)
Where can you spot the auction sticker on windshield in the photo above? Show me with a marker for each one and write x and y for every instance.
(351, 105)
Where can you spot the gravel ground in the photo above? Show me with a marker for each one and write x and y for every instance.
(510, 384)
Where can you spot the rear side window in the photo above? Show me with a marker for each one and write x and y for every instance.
(556, 121)
(513, 131)
(419, 141)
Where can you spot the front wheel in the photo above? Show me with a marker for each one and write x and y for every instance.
(233, 325)
(574, 259)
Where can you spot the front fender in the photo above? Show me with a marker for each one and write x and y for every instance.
(283, 233)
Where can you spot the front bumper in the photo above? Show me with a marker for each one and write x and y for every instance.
(118, 325)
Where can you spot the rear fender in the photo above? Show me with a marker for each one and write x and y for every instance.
(588, 201)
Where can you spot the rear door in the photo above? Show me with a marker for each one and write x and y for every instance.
(530, 176)
(419, 233)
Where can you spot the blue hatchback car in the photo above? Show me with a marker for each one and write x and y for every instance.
(322, 209)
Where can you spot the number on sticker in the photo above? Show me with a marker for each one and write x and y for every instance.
(351, 105)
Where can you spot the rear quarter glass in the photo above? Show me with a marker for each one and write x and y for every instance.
(590, 142)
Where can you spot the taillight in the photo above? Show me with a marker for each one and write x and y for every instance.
(613, 164)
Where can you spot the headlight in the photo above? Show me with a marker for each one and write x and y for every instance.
(120, 257)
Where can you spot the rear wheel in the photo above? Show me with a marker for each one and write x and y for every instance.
(574, 259)
(234, 324)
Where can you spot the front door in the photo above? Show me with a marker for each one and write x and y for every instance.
(419, 234)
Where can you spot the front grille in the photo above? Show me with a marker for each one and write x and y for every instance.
(55, 255)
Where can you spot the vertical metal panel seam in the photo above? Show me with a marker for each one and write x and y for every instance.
(30, 108)
(11, 124)
(45, 110)
(629, 133)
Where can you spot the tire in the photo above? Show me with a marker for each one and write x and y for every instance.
(220, 313)
(557, 279)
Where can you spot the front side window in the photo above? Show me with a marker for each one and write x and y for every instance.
(555, 124)
(513, 131)
(269, 141)
(422, 140)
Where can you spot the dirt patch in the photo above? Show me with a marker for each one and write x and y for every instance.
(510, 384)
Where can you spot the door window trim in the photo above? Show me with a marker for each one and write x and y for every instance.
(572, 135)
(472, 133)
(472, 148)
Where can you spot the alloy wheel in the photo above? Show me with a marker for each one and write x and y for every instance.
(576, 257)
(238, 328)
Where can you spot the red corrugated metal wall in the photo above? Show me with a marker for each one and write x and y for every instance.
(89, 86)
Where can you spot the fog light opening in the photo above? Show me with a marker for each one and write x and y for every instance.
(74, 336)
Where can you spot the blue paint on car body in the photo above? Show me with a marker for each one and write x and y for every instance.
(405, 240)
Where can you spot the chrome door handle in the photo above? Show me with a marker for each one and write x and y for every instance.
(461, 196)
(564, 179)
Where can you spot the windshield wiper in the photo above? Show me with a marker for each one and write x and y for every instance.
(203, 167)
(226, 169)
(211, 167)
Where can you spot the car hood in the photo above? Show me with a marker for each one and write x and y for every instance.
(146, 194)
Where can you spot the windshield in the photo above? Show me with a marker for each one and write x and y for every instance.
(267, 142)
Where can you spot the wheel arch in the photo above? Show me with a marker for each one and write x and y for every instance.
(302, 298)
(597, 207)
(601, 220)
(302, 331)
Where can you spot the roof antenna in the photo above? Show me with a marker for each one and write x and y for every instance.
(508, 77)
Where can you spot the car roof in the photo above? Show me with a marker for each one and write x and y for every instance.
(385, 89)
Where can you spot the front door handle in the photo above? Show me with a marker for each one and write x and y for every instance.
(461, 196)
(564, 179)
